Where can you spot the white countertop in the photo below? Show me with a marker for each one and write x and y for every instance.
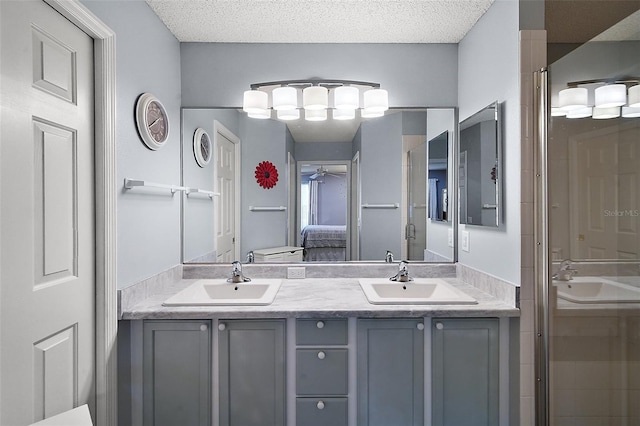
(319, 297)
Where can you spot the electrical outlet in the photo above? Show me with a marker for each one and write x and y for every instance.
(465, 240)
(295, 272)
(450, 237)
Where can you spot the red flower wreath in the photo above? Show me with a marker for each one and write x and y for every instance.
(266, 175)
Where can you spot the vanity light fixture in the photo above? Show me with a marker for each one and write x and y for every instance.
(341, 96)
(611, 99)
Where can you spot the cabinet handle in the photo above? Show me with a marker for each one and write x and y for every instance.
(222, 326)
(320, 324)
(439, 325)
(420, 326)
(320, 405)
(203, 327)
(321, 355)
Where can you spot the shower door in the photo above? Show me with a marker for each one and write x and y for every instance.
(590, 306)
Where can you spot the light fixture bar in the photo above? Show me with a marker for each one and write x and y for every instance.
(315, 82)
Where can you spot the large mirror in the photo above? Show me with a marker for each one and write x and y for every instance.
(479, 168)
(339, 191)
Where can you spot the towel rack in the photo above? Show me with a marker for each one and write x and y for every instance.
(209, 194)
(381, 206)
(132, 183)
(267, 209)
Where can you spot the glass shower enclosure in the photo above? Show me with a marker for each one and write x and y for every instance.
(589, 282)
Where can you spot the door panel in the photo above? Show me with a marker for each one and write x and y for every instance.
(225, 180)
(47, 316)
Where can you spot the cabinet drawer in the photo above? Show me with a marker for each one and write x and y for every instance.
(276, 257)
(293, 256)
(321, 372)
(321, 332)
(321, 412)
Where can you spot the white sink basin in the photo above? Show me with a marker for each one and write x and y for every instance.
(420, 291)
(596, 290)
(220, 292)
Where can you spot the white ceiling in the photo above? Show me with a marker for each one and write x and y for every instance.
(320, 21)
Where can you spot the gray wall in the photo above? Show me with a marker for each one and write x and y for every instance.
(216, 74)
(332, 200)
(262, 140)
(323, 151)
(381, 180)
(488, 70)
(148, 220)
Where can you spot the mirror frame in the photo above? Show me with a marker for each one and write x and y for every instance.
(499, 216)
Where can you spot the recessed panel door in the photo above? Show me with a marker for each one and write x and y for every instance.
(47, 308)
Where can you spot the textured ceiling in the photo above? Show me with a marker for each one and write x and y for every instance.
(320, 21)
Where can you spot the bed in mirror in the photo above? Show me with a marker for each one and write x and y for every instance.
(342, 190)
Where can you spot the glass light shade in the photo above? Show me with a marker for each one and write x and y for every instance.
(315, 98)
(605, 113)
(580, 113)
(260, 115)
(288, 114)
(315, 115)
(573, 98)
(255, 102)
(612, 95)
(346, 97)
(284, 98)
(558, 112)
(365, 113)
(634, 96)
(344, 114)
(376, 100)
(630, 112)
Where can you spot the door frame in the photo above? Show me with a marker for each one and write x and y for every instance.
(219, 128)
(106, 188)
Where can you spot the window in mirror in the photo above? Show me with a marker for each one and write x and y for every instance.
(480, 174)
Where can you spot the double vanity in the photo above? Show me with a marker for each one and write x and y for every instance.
(320, 351)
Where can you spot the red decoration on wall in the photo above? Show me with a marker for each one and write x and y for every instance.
(266, 175)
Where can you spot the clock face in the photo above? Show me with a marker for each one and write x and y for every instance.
(152, 121)
(157, 122)
(202, 147)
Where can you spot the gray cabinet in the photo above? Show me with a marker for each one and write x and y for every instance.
(252, 372)
(176, 373)
(465, 372)
(390, 372)
(322, 383)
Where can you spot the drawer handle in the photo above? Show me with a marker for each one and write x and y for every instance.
(320, 324)
(439, 325)
(320, 405)
(221, 326)
(420, 326)
(203, 327)
(321, 355)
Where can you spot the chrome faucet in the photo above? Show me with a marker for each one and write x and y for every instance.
(403, 273)
(388, 258)
(250, 257)
(566, 272)
(236, 274)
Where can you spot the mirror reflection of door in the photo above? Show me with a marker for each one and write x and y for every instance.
(416, 229)
(225, 183)
(324, 194)
(355, 207)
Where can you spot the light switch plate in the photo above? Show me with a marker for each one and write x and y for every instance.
(450, 237)
(296, 272)
(465, 240)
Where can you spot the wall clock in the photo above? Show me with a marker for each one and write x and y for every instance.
(152, 121)
(202, 148)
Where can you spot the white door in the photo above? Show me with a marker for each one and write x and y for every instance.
(605, 194)
(47, 251)
(226, 212)
(291, 201)
(355, 217)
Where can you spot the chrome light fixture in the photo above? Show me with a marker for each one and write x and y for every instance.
(612, 99)
(318, 96)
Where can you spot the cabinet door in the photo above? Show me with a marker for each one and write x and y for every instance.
(465, 372)
(176, 373)
(252, 373)
(390, 372)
